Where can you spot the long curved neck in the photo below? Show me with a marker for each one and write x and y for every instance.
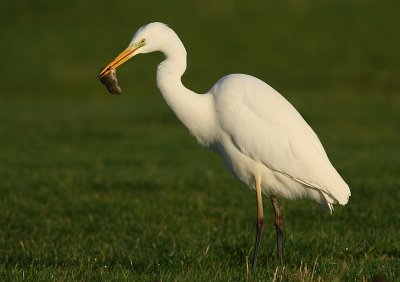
(195, 111)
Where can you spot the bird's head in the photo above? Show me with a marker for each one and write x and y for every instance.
(148, 38)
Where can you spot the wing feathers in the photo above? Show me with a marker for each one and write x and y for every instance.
(264, 126)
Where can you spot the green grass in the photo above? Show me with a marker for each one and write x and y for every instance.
(98, 188)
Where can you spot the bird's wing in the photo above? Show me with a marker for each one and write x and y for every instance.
(264, 126)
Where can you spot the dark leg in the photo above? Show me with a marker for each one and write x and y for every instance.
(279, 228)
(259, 223)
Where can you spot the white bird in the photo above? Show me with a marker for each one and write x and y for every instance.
(261, 137)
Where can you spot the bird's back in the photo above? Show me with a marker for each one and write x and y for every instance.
(265, 128)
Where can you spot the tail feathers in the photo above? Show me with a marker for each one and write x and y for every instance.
(330, 196)
(340, 196)
(340, 191)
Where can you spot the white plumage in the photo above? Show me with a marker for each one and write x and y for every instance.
(260, 136)
(261, 132)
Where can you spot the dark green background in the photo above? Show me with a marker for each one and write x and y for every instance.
(98, 187)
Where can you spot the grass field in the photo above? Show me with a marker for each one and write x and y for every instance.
(102, 188)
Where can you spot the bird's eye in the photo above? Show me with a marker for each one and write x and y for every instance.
(143, 41)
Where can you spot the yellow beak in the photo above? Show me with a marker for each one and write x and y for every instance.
(119, 60)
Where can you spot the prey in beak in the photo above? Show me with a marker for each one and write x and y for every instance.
(111, 82)
(108, 74)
